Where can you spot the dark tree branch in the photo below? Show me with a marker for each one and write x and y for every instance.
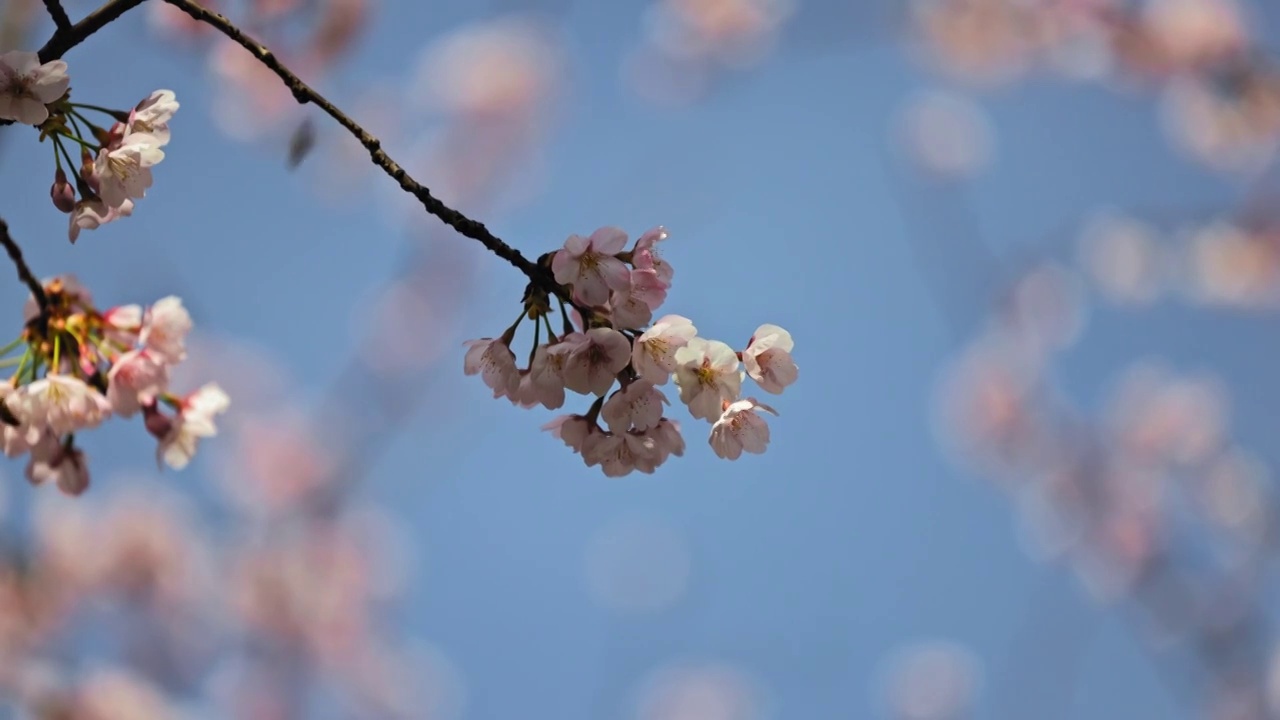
(24, 271)
(65, 38)
(304, 94)
(59, 15)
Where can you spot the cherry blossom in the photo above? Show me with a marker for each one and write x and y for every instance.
(768, 358)
(135, 379)
(573, 430)
(496, 364)
(654, 354)
(707, 373)
(152, 116)
(740, 428)
(646, 257)
(590, 266)
(618, 454)
(124, 169)
(93, 213)
(164, 329)
(633, 307)
(638, 407)
(667, 440)
(27, 86)
(546, 378)
(195, 420)
(65, 465)
(594, 359)
(65, 403)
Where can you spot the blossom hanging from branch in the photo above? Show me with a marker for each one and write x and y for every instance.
(615, 292)
(78, 366)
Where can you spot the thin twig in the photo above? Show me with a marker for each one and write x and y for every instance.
(59, 15)
(304, 94)
(24, 271)
(66, 38)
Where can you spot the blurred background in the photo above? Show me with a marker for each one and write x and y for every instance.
(1028, 251)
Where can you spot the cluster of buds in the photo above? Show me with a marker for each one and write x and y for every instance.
(605, 341)
(79, 366)
(115, 161)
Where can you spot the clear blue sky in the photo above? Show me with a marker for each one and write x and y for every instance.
(854, 534)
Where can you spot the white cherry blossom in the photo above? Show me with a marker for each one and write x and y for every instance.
(27, 86)
(589, 265)
(654, 354)
(768, 358)
(708, 375)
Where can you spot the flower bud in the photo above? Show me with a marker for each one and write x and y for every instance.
(156, 422)
(86, 171)
(63, 195)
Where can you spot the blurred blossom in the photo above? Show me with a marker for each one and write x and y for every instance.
(276, 460)
(1124, 259)
(937, 680)
(687, 42)
(1232, 495)
(245, 371)
(987, 409)
(1045, 309)
(119, 694)
(637, 566)
(947, 134)
(508, 67)
(1160, 418)
(1191, 33)
(1231, 121)
(249, 99)
(699, 692)
(175, 25)
(1231, 266)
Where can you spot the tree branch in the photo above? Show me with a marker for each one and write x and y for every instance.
(59, 15)
(24, 271)
(303, 93)
(65, 38)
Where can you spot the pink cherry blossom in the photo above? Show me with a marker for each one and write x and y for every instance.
(646, 257)
(768, 358)
(124, 169)
(590, 266)
(654, 354)
(638, 407)
(708, 376)
(573, 430)
(495, 363)
(135, 379)
(26, 86)
(65, 403)
(93, 213)
(740, 428)
(667, 440)
(53, 460)
(594, 359)
(195, 420)
(122, 324)
(546, 377)
(633, 308)
(164, 329)
(152, 116)
(618, 454)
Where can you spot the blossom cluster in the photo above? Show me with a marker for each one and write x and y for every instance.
(79, 366)
(614, 340)
(115, 161)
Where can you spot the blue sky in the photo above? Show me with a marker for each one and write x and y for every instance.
(807, 566)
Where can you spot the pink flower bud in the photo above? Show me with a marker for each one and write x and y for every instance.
(156, 422)
(63, 195)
